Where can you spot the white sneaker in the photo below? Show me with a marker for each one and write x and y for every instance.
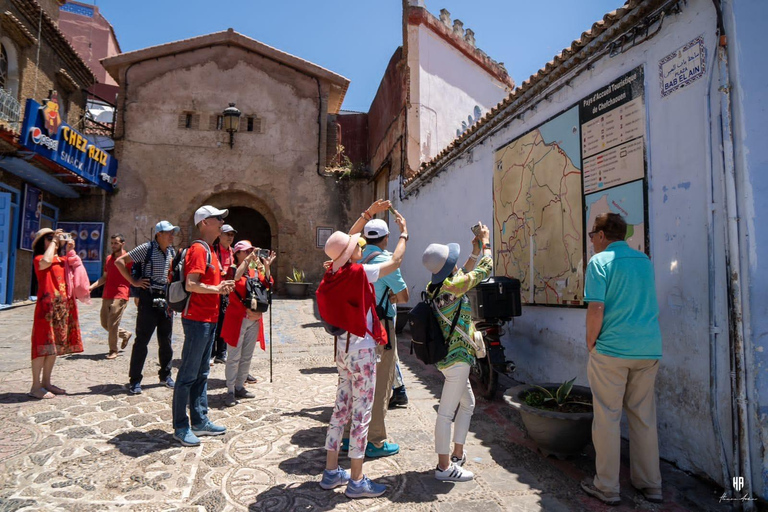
(459, 461)
(454, 473)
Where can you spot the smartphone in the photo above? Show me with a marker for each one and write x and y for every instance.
(263, 253)
(476, 229)
(392, 210)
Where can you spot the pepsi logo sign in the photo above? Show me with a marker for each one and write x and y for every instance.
(39, 138)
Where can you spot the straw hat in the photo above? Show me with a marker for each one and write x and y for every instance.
(40, 234)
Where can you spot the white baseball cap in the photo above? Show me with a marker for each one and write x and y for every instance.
(207, 211)
(375, 228)
(226, 228)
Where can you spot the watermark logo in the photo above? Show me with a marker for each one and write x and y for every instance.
(738, 485)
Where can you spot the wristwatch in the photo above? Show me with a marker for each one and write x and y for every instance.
(404, 236)
(487, 246)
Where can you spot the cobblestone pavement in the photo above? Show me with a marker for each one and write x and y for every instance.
(99, 448)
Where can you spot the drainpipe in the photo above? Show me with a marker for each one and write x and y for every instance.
(743, 464)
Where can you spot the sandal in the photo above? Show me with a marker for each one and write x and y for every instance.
(56, 390)
(40, 394)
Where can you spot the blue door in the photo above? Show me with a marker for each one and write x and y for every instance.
(5, 242)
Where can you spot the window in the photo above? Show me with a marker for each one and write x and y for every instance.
(250, 124)
(187, 121)
(219, 122)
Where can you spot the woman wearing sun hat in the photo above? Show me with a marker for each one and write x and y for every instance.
(448, 289)
(346, 300)
(55, 329)
(243, 327)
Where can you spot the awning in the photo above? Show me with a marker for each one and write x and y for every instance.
(37, 176)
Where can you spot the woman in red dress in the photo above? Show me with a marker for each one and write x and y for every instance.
(56, 330)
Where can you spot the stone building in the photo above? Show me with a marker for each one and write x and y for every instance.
(37, 187)
(175, 156)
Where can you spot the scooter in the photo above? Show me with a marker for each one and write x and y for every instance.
(485, 372)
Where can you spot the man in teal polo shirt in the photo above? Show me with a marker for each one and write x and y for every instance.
(624, 342)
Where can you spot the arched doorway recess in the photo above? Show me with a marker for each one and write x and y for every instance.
(250, 225)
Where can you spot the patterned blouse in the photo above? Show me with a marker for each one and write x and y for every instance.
(453, 295)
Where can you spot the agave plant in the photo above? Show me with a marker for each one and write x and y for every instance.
(296, 277)
(560, 397)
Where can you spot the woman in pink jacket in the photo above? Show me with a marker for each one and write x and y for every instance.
(243, 326)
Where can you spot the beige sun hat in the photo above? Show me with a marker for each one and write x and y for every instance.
(339, 247)
(40, 234)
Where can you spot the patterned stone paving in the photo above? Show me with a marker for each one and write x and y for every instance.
(99, 448)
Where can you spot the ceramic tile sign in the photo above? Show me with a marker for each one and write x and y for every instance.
(683, 66)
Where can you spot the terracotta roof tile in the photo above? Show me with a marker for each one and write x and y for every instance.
(493, 117)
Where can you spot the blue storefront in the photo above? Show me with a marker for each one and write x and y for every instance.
(51, 175)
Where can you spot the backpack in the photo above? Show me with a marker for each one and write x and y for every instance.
(427, 340)
(176, 291)
(256, 295)
(381, 309)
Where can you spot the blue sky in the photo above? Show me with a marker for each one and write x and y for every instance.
(356, 38)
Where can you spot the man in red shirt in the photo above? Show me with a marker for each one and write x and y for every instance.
(203, 281)
(115, 297)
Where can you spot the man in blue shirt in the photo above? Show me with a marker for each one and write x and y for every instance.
(390, 289)
(624, 343)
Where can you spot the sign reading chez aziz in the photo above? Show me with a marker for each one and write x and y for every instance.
(44, 133)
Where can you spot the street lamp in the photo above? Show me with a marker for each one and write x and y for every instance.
(231, 122)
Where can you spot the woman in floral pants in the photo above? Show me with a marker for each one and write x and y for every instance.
(346, 300)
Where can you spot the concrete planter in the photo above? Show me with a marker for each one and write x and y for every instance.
(555, 433)
(297, 290)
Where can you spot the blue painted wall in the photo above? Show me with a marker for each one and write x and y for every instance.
(745, 22)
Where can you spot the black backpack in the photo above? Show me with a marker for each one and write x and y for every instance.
(256, 295)
(176, 291)
(427, 338)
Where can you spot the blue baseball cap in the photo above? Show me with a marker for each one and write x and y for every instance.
(164, 226)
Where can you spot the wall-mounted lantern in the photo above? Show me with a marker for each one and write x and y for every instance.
(231, 122)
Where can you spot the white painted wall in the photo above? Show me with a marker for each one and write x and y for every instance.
(548, 343)
(449, 87)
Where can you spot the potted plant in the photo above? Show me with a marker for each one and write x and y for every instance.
(296, 286)
(558, 417)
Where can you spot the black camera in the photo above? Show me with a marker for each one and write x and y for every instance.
(158, 299)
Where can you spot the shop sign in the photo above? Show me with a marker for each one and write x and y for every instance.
(44, 133)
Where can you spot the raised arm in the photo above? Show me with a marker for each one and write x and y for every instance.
(377, 207)
(397, 257)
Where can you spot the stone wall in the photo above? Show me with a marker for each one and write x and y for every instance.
(168, 169)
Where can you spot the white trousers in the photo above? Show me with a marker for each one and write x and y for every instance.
(239, 358)
(457, 392)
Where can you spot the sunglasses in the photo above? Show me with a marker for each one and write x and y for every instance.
(593, 233)
(361, 243)
(49, 238)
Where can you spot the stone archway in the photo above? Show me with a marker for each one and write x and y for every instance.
(250, 225)
(257, 219)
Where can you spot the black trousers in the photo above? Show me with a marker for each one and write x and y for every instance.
(147, 320)
(220, 346)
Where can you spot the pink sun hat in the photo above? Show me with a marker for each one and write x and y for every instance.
(243, 245)
(339, 247)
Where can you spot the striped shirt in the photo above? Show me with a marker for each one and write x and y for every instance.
(158, 265)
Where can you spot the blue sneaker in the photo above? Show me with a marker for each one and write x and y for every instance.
(364, 489)
(186, 437)
(387, 449)
(209, 429)
(134, 389)
(335, 478)
(168, 382)
(344, 445)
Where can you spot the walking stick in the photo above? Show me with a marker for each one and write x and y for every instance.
(270, 335)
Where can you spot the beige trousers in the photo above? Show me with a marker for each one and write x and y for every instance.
(111, 314)
(627, 383)
(385, 376)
